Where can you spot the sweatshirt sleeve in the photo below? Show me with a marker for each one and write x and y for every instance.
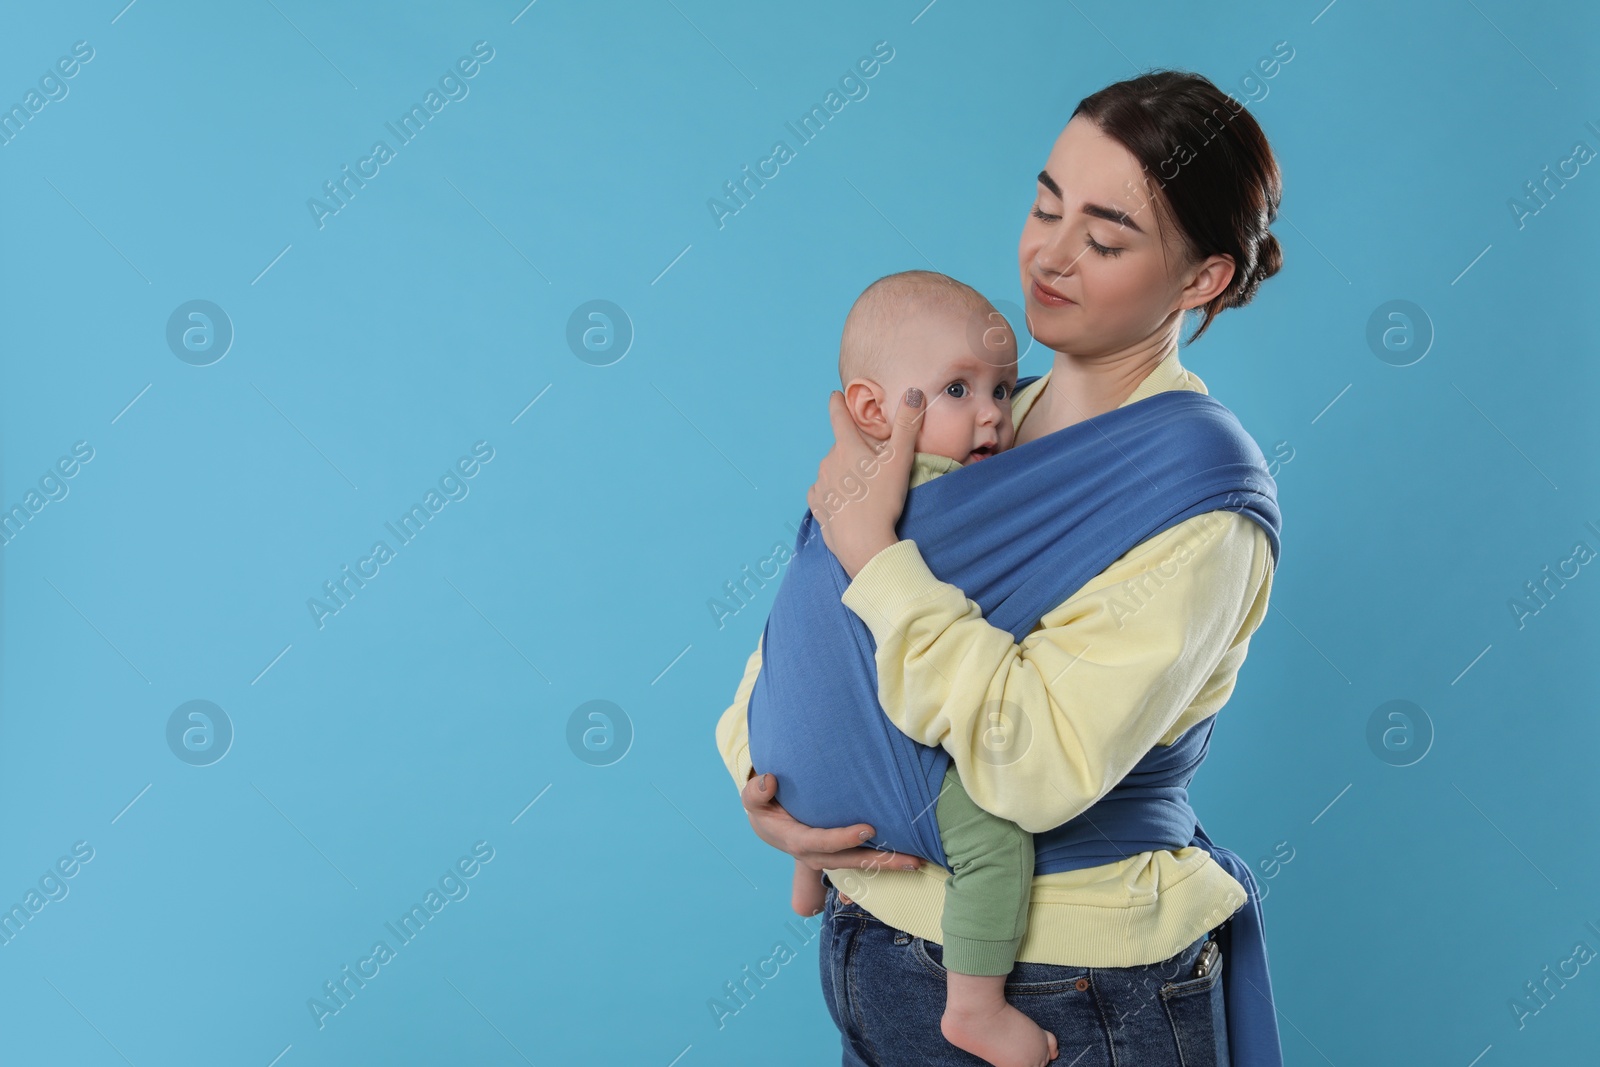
(733, 733)
(1102, 679)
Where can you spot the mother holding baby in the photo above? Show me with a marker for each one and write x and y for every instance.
(1155, 200)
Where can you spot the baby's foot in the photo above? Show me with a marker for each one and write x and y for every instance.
(998, 1033)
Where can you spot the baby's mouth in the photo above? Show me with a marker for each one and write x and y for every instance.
(981, 452)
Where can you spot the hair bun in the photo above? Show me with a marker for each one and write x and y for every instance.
(1269, 260)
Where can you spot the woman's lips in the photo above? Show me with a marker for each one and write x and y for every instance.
(1048, 297)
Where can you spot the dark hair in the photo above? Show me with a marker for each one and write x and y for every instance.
(1212, 163)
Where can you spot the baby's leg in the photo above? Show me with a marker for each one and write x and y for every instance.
(809, 895)
(985, 916)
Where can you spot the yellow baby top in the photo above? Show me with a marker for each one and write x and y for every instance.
(1146, 649)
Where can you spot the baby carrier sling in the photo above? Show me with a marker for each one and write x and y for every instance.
(1018, 533)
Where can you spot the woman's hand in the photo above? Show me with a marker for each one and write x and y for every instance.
(816, 848)
(861, 484)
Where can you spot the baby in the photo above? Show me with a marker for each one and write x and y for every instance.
(917, 328)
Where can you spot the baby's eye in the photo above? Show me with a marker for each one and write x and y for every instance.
(956, 390)
(1002, 391)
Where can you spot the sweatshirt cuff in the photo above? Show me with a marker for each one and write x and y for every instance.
(890, 583)
(741, 767)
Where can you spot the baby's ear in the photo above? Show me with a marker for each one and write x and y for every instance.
(864, 400)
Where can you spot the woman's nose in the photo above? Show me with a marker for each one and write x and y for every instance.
(1055, 258)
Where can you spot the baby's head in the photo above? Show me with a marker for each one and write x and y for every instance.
(926, 329)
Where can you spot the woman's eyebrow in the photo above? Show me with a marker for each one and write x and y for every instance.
(1121, 218)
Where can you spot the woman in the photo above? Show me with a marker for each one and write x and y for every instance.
(1155, 200)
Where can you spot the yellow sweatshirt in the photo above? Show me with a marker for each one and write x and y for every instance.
(1146, 649)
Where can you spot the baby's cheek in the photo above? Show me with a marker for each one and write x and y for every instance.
(939, 431)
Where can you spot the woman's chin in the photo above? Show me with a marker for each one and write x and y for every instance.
(1054, 340)
(1049, 325)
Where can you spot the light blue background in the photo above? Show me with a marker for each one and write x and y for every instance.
(429, 312)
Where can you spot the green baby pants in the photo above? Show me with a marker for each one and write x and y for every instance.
(991, 879)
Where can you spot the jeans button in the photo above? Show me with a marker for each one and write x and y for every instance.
(1082, 984)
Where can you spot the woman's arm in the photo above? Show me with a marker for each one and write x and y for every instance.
(1104, 678)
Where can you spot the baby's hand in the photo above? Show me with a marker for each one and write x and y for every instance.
(809, 893)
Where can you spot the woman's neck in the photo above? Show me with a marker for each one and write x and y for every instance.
(1079, 389)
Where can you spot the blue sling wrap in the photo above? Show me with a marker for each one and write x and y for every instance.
(1019, 533)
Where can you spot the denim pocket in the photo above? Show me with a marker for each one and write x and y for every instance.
(1192, 986)
(919, 952)
(1196, 1011)
(1025, 978)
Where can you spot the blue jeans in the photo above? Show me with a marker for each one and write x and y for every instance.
(886, 992)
